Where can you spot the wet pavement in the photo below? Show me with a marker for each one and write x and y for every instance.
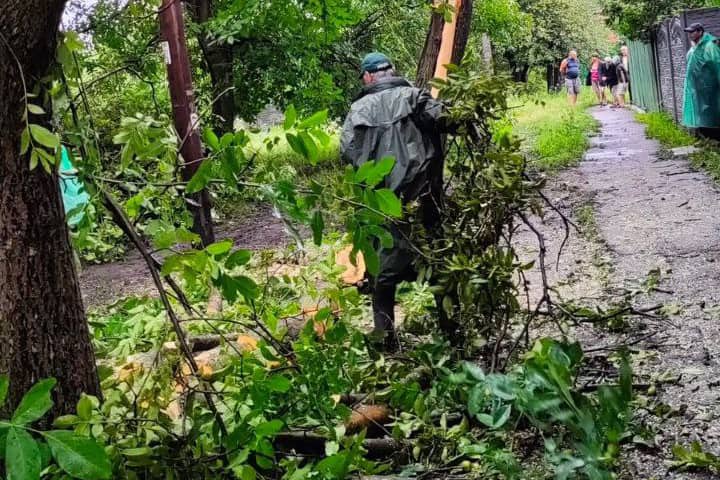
(655, 213)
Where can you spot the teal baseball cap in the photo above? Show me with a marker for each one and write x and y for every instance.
(375, 62)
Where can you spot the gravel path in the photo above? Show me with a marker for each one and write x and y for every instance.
(648, 214)
(657, 214)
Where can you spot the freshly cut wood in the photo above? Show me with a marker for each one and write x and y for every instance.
(372, 417)
(354, 273)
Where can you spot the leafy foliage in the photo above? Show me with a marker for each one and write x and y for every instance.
(28, 451)
(469, 264)
(636, 20)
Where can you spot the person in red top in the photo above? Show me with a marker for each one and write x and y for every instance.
(595, 81)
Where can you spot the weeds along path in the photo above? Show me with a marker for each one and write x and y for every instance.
(106, 283)
(650, 233)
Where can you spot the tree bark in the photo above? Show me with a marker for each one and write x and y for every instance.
(430, 52)
(219, 60)
(427, 65)
(43, 329)
(462, 31)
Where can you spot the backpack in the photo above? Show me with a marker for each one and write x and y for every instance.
(573, 68)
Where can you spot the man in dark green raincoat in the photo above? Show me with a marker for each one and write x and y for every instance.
(392, 118)
(701, 108)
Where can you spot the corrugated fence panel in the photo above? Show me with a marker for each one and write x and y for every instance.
(643, 78)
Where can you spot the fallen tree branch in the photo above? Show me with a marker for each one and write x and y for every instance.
(124, 223)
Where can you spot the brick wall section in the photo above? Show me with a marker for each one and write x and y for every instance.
(662, 46)
(710, 17)
(679, 56)
(671, 46)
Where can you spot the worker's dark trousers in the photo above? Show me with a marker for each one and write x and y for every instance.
(383, 303)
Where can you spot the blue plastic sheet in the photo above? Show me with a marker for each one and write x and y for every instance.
(73, 190)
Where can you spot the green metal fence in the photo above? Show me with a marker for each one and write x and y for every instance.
(643, 76)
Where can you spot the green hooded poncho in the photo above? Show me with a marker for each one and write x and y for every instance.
(701, 107)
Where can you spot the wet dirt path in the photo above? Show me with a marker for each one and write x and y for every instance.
(103, 284)
(656, 214)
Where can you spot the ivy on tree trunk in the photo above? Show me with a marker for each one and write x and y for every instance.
(43, 329)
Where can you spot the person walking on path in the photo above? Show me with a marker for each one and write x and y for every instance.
(570, 68)
(594, 75)
(608, 77)
(701, 100)
(623, 81)
(625, 58)
(392, 118)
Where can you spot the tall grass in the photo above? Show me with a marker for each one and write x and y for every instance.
(660, 125)
(555, 134)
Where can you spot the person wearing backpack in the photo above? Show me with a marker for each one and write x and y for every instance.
(570, 68)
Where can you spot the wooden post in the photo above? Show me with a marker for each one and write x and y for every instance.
(172, 30)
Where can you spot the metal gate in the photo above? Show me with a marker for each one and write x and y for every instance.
(643, 76)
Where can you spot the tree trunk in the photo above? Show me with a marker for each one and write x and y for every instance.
(462, 32)
(429, 58)
(430, 52)
(219, 60)
(43, 329)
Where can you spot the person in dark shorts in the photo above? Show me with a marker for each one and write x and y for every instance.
(608, 77)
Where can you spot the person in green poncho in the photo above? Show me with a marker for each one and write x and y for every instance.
(701, 108)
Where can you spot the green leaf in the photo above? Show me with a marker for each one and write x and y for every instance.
(247, 473)
(34, 159)
(219, 248)
(84, 407)
(80, 457)
(318, 225)
(318, 118)
(238, 258)
(4, 385)
(232, 287)
(335, 466)
(22, 456)
(66, 421)
(269, 428)
(313, 153)
(388, 202)
(24, 141)
(296, 144)
(44, 136)
(201, 178)
(211, 139)
(278, 383)
(372, 261)
(35, 403)
(372, 173)
(290, 117)
(35, 109)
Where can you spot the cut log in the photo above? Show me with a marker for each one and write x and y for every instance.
(308, 443)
